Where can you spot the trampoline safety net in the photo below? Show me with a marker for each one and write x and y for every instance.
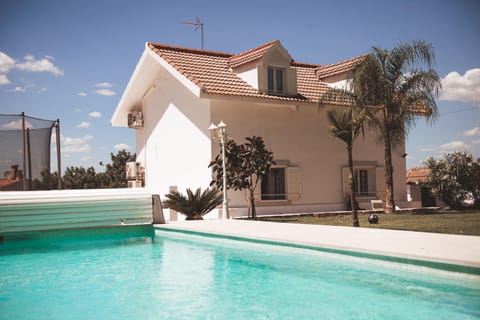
(25, 144)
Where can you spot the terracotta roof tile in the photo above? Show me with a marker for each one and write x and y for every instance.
(211, 72)
(250, 55)
(417, 175)
(338, 68)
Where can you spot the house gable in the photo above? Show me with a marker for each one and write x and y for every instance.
(338, 75)
(218, 75)
(267, 69)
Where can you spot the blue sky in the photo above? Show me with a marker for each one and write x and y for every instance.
(72, 59)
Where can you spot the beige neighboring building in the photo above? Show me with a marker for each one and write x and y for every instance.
(175, 93)
(418, 194)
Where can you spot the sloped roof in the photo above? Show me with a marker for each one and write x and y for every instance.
(417, 175)
(250, 55)
(338, 68)
(212, 72)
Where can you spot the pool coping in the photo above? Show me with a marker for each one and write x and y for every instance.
(443, 251)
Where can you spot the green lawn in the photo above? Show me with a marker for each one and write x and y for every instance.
(461, 222)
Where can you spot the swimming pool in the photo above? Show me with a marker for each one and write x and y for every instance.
(142, 273)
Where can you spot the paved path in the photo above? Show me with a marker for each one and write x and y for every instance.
(431, 247)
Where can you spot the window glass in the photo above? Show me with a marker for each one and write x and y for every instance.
(361, 182)
(270, 79)
(275, 79)
(273, 185)
(279, 80)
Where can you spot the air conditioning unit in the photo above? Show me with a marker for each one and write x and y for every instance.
(135, 184)
(131, 170)
(135, 119)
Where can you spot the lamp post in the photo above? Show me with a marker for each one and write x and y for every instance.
(220, 132)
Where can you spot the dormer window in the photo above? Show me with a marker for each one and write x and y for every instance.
(276, 79)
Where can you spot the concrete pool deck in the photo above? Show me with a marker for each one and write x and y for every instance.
(421, 246)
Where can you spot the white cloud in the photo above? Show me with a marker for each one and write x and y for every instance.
(17, 125)
(476, 141)
(82, 94)
(103, 85)
(41, 65)
(105, 92)
(454, 145)
(84, 124)
(3, 79)
(95, 114)
(447, 147)
(19, 89)
(472, 132)
(77, 145)
(466, 88)
(6, 63)
(121, 146)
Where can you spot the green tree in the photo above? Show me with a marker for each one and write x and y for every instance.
(246, 165)
(79, 178)
(114, 175)
(49, 181)
(455, 178)
(346, 125)
(395, 87)
(194, 205)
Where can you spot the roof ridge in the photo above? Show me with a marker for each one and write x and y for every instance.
(270, 43)
(305, 65)
(243, 57)
(338, 67)
(188, 50)
(345, 61)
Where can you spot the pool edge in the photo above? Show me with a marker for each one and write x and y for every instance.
(461, 268)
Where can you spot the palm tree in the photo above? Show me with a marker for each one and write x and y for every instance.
(395, 87)
(345, 125)
(194, 205)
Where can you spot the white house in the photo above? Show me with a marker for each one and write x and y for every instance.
(263, 92)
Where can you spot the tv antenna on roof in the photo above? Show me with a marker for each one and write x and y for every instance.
(197, 24)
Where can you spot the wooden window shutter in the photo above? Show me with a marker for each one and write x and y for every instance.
(262, 78)
(380, 182)
(345, 186)
(294, 183)
(291, 81)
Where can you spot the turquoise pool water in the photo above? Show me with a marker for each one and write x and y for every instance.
(147, 274)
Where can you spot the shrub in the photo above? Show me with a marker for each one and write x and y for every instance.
(455, 179)
(194, 205)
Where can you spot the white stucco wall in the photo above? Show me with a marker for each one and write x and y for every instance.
(174, 145)
(300, 136)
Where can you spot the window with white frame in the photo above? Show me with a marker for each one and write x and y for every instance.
(361, 182)
(282, 182)
(273, 184)
(275, 80)
(369, 181)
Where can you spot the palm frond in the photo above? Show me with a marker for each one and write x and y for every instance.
(194, 204)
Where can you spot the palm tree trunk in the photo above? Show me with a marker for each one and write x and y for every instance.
(353, 200)
(389, 193)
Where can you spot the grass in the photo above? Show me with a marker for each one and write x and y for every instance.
(453, 222)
